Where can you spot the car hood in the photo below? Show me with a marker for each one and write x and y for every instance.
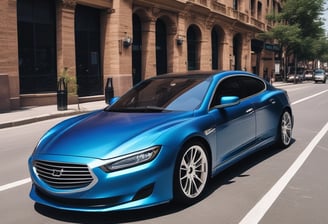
(106, 135)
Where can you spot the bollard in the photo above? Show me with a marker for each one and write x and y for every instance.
(109, 90)
(61, 94)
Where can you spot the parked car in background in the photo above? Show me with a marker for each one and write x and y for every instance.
(319, 76)
(291, 77)
(298, 77)
(308, 75)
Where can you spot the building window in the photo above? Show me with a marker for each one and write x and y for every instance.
(259, 10)
(215, 49)
(235, 4)
(87, 51)
(252, 7)
(193, 46)
(161, 51)
(37, 45)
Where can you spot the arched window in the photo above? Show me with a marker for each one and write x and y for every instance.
(217, 37)
(259, 10)
(193, 46)
(252, 6)
(235, 4)
(215, 49)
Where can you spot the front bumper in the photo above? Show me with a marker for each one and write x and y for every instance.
(137, 187)
(319, 78)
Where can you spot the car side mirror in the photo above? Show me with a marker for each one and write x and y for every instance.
(228, 101)
(113, 100)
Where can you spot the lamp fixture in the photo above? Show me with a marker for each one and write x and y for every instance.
(179, 40)
(127, 41)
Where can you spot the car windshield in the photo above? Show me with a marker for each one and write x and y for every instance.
(319, 72)
(164, 94)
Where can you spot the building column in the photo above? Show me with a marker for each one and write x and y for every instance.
(246, 53)
(9, 56)
(117, 58)
(227, 50)
(180, 49)
(206, 49)
(149, 48)
(66, 37)
(172, 47)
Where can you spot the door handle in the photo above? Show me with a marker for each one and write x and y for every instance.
(249, 110)
(272, 101)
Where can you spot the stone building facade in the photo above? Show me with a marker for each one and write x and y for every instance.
(125, 40)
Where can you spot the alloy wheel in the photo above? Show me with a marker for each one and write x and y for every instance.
(193, 171)
(286, 129)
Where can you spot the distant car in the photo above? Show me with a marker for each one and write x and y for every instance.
(161, 141)
(319, 76)
(308, 75)
(291, 77)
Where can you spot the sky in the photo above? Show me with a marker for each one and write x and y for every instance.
(325, 16)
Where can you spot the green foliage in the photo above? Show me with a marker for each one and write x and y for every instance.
(288, 36)
(299, 28)
(70, 80)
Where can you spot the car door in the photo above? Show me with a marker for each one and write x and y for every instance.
(235, 126)
(267, 111)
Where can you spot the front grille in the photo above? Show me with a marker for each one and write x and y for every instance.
(63, 175)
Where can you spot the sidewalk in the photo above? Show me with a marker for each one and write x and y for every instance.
(280, 83)
(28, 115)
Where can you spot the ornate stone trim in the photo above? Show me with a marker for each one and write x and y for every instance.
(69, 4)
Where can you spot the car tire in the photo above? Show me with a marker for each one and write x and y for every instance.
(285, 129)
(191, 173)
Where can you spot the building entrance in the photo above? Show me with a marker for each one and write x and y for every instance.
(87, 45)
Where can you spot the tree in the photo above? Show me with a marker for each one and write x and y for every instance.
(299, 29)
(288, 38)
(307, 15)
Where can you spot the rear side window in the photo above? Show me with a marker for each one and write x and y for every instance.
(251, 86)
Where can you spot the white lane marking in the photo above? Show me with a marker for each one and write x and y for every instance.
(14, 184)
(309, 97)
(262, 206)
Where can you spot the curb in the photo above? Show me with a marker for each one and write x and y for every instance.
(39, 118)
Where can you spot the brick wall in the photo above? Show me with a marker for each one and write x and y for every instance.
(116, 24)
(9, 50)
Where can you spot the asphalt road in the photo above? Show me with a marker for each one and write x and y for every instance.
(271, 186)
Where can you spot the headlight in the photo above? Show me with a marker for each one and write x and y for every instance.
(131, 160)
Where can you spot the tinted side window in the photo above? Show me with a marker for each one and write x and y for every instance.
(251, 86)
(228, 87)
(241, 86)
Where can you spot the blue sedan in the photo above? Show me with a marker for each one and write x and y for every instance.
(161, 141)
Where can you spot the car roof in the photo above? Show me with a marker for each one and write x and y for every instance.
(202, 74)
